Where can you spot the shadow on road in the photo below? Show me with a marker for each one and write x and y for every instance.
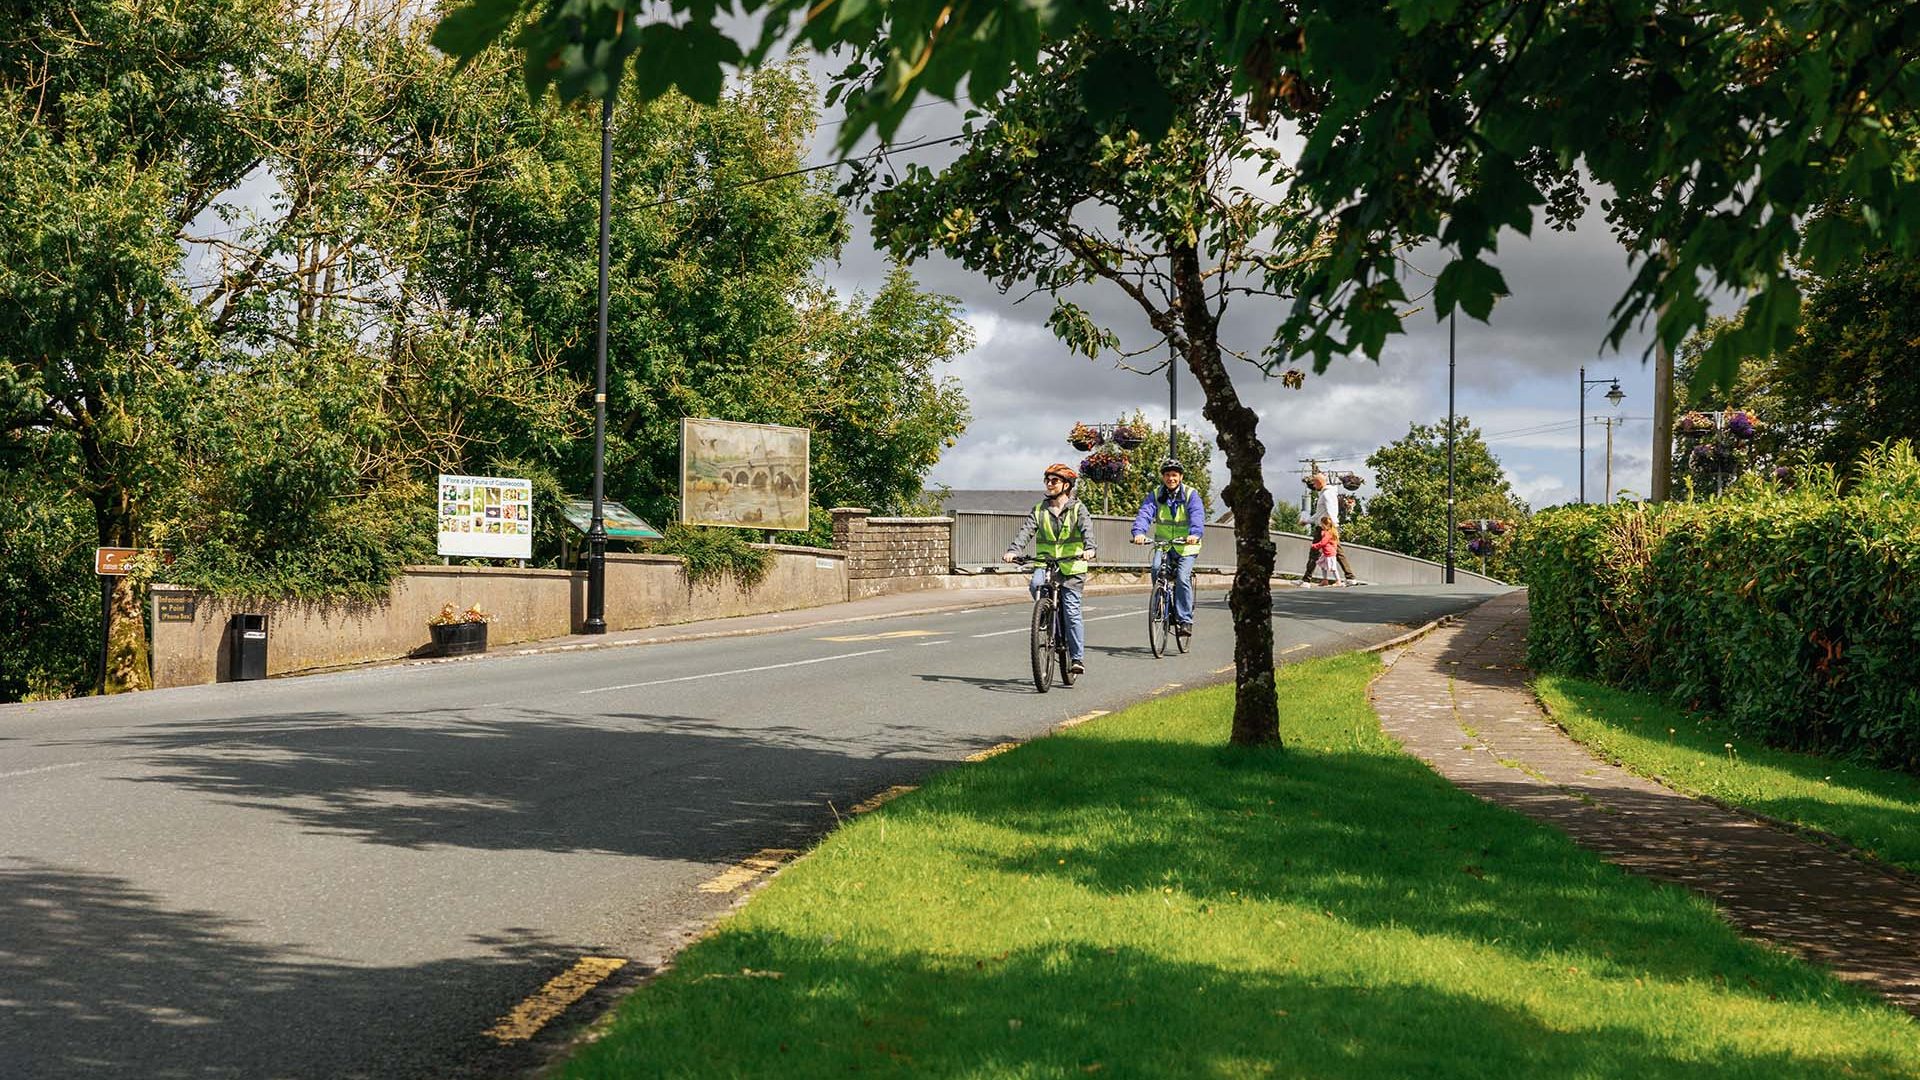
(660, 786)
(105, 980)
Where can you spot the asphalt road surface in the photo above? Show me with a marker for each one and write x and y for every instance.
(358, 874)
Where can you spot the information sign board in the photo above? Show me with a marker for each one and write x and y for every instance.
(622, 523)
(486, 517)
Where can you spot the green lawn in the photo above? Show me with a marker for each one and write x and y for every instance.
(1131, 898)
(1876, 810)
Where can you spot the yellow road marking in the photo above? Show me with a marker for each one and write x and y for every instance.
(561, 991)
(1296, 648)
(765, 861)
(881, 637)
(1223, 670)
(1164, 689)
(992, 751)
(885, 797)
(1082, 718)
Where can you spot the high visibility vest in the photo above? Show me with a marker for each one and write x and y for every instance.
(1170, 521)
(1065, 542)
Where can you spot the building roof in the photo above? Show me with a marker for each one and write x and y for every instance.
(980, 500)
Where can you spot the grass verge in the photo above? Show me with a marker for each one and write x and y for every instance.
(1875, 810)
(1131, 898)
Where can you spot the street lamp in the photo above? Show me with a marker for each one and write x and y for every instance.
(1613, 395)
(596, 621)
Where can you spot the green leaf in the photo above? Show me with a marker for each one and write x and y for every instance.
(1471, 283)
(467, 31)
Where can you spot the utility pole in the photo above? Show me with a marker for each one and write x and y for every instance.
(1662, 404)
(1452, 528)
(1611, 422)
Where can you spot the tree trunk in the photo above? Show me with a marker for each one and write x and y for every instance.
(1256, 704)
(124, 664)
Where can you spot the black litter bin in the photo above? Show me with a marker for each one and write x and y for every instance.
(249, 644)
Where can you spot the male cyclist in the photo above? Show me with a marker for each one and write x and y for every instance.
(1064, 527)
(1175, 514)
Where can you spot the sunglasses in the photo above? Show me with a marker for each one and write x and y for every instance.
(1052, 480)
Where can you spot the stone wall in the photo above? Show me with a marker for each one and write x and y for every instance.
(191, 641)
(892, 554)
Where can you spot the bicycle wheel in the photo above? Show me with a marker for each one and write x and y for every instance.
(1157, 604)
(1040, 643)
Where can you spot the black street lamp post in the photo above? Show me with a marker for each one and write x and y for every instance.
(596, 621)
(1613, 396)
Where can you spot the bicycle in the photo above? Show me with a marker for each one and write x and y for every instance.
(1047, 639)
(1160, 619)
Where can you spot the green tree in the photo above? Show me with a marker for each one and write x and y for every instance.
(716, 308)
(886, 413)
(1419, 119)
(1046, 193)
(1408, 512)
(1849, 379)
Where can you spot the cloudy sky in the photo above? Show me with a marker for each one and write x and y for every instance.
(1517, 376)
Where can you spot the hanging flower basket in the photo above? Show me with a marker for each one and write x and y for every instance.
(1083, 438)
(1352, 481)
(1481, 546)
(1103, 468)
(1126, 437)
(1713, 457)
(1694, 423)
(1741, 423)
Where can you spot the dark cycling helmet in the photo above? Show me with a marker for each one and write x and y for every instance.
(1173, 465)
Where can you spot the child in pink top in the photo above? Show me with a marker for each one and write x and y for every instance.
(1328, 547)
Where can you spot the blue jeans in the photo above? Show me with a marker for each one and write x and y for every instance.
(1183, 589)
(1070, 600)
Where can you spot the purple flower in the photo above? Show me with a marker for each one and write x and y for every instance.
(1740, 422)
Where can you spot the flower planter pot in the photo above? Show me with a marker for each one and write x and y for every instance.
(1083, 445)
(459, 639)
(1127, 440)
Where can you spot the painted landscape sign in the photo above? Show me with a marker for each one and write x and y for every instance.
(748, 476)
(486, 517)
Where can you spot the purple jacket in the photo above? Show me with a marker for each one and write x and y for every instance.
(1196, 511)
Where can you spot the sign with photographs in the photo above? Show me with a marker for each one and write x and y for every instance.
(751, 476)
(486, 517)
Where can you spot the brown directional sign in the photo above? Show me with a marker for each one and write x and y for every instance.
(112, 561)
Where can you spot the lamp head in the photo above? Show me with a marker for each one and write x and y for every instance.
(1614, 394)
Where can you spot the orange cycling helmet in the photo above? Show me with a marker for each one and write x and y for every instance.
(1061, 471)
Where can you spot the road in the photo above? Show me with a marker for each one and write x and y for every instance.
(357, 874)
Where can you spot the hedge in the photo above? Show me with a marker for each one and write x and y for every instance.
(1795, 616)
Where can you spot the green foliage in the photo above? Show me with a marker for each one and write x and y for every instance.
(1793, 615)
(1408, 512)
(265, 280)
(49, 599)
(713, 554)
(1500, 116)
(1122, 898)
(1849, 377)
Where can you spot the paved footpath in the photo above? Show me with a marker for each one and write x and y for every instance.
(1458, 699)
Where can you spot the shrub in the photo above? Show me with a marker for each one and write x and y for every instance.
(1792, 614)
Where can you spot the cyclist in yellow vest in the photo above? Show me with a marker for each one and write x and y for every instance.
(1175, 513)
(1063, 527)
